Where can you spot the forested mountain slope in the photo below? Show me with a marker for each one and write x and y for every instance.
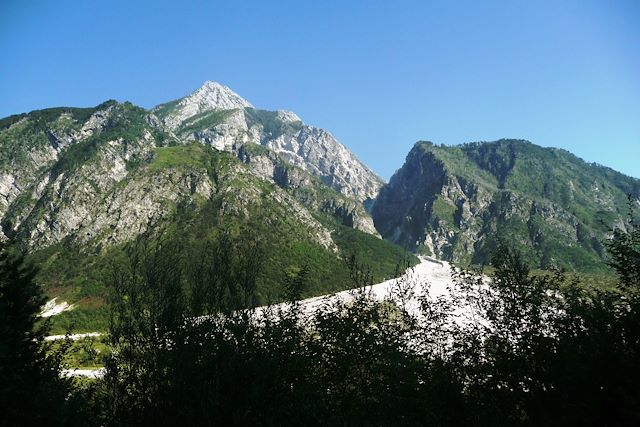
(80, 185)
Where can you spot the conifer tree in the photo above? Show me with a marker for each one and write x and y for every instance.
(31, 390)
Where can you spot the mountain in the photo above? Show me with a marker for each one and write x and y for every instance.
(457, 202)
(80, 185)
(216, 116)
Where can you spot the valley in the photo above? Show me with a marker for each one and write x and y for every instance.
(354, 213)
(79, 187)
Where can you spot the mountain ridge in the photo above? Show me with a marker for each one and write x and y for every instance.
(78, 186)
(458, 201)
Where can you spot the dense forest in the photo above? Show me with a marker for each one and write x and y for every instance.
(184, 350)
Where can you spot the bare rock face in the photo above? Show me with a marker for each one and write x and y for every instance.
(89, 202)
(9, 190)
(227, 134)
(30, 149)
(271, 166)
(211, 96)
(318, 152)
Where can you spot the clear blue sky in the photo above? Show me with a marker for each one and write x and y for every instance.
(378, 75)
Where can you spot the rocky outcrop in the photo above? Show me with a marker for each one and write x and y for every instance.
(270, 166)
(459, 202)
(210, 96)
(216, 116)
(30, 148)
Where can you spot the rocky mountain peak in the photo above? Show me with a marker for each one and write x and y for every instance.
(288, 116)
(210, 96)
(215, 96)
(215, 115)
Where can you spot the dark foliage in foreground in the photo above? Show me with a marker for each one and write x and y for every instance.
(549, 352)
(31, 389)
(542, 351)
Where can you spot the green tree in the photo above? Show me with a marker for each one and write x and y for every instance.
(624, 251)
(32, 391)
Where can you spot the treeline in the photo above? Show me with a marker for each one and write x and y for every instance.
(546, 350)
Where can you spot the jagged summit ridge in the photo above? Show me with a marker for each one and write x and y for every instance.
(287, 116)
(208, 97)
(215, 115)
(213, 95)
